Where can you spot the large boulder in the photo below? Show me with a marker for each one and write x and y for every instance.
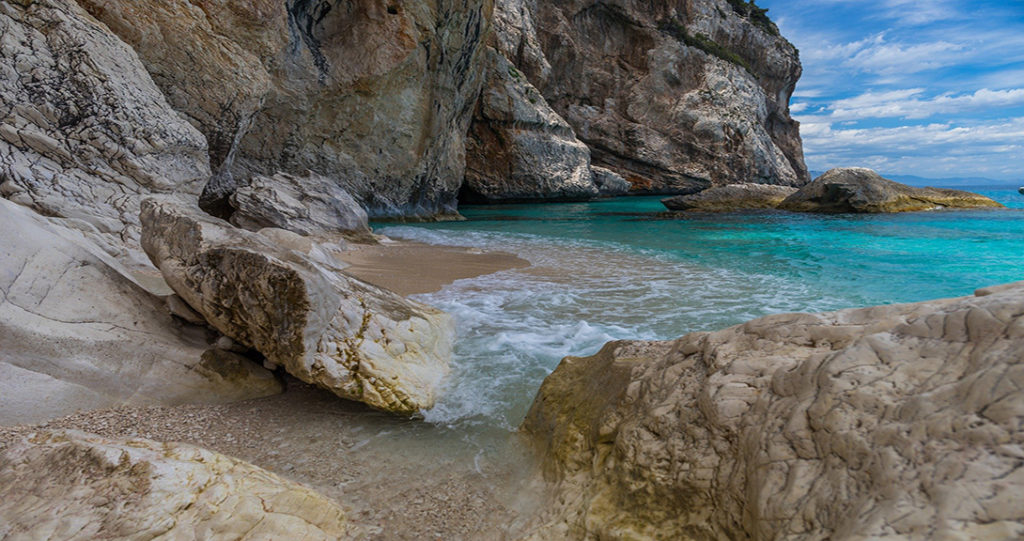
(676, 95)
(858, 189)
(377, 95)
(70, 485)
(518, 148)
(76, 333)
(307, 205)
(731, 197)
(324, 327)
(899, 421)
(609, 183)
(84, 131)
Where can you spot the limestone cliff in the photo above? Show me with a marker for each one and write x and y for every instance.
(518, 148)
(675, 95)
(375, 95)
(898, 421)
(84, 132)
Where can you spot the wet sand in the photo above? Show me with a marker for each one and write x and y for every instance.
(409, 268)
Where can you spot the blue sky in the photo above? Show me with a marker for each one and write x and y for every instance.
(930, 88)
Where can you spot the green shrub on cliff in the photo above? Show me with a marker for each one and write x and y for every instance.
(757, 15)
(703, 42)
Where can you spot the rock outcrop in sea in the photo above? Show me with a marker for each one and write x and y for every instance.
(70, 485)
(731, 197)
(891, 421)
(858, 189)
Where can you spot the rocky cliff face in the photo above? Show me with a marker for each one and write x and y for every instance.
(898, 421)
(84, 132)
(375, 95)
(675, 95)
(518, 147)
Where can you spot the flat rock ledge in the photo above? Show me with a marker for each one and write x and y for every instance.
(70, 485)
(731, 197)
(861, 190)
(303, 314)
(890, 422)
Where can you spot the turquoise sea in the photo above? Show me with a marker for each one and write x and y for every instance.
(624, 268)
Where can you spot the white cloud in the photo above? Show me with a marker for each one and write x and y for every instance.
(993, 149)
(898, 58)
(908, 104)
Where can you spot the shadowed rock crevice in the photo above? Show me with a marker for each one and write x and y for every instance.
(303, 18)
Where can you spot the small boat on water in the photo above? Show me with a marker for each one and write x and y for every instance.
(1021, 190)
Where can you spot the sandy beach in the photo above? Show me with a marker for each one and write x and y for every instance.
(410, 268)
(397, 478)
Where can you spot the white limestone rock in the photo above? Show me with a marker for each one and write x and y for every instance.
(70, 485)
(84, 132)
(309, 205)
(76, 333)
(324, 327)
(518, 148)
(609, 183)
(891, 422)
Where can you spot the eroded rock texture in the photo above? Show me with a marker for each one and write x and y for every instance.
(69, 485)
(306, 205)
(84, 132)
(731, 197)
(519, 149)
(857, 189)
(675, 95)
(323, 326)
(77, 333)
(900, 421)
(375, 95)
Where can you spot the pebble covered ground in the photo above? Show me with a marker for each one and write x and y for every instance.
(393, 487)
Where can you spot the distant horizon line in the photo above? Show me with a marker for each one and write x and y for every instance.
(956, 180)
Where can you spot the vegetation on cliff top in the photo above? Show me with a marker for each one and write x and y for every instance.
(756, 15)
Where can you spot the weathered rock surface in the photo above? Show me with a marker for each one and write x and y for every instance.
(609, 183)
(731, 197)
(70, 485)
(84, 132)
(518, 149)
(858, 189)
(322, 326)
(900, 421)
(76, 333)
(676, 96)
(376, 94)
(309, 205)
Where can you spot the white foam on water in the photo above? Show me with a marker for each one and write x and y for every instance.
(514, 326)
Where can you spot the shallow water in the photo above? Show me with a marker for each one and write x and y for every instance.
(625, 269)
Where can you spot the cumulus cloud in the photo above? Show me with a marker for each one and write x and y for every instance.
(939, 149)
(950, 71)
(913, 104)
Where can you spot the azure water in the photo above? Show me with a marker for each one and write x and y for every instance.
(624, 269)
